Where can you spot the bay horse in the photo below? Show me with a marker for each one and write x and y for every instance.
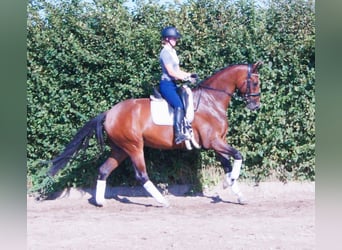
(129, 127)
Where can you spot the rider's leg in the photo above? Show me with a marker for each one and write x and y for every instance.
(178, 125)
(169, 92)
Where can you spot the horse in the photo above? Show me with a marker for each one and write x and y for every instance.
(129, 128)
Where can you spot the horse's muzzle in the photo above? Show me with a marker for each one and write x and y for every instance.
(253, 106)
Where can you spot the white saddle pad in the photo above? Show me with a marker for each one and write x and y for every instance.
(162, 112)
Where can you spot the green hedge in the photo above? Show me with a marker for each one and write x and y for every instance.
(83, 57)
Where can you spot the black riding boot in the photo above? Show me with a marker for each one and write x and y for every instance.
(179, 116)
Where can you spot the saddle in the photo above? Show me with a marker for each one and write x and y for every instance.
(162, 113)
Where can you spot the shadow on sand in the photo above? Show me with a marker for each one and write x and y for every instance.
(122, 194)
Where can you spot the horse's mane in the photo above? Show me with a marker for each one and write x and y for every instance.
(218, 72)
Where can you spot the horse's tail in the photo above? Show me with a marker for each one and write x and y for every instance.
(79, 142)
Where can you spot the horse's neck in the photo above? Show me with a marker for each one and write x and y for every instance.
(211, 100)
(221, 90)
(220, 87)
(223, 80)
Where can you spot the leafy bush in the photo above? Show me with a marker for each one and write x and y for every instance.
(83, 57)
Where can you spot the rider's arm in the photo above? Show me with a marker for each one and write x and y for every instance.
(178, 75)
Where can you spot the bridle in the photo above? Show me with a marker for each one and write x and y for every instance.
(248, 81)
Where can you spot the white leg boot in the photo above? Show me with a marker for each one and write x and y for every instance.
(231, 180)
(100, 192)
(154, 192)
(238, 193)
(236, 169)
(233, 175)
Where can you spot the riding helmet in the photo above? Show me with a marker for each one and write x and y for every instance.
(170, 32)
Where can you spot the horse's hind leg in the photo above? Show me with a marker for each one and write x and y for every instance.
(142, 176)
(116, 157)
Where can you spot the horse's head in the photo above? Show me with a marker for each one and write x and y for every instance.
(250, 87)
(243, 77)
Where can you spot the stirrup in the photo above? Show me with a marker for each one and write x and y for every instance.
(180, 138)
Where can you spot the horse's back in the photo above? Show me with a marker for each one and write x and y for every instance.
(129, 122)
(128, 113)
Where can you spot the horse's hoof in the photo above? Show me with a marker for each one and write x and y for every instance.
(242, 201)
(100, 203)
(227, 182)
(166, 204)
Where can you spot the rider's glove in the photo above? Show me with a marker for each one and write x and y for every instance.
(193, 78)
(194, 75)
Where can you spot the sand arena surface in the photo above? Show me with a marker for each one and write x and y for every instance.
(277, 216)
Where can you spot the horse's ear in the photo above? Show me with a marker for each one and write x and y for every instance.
(256, 66)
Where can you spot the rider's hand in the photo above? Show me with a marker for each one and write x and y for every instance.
(193, 78)
(194, 75)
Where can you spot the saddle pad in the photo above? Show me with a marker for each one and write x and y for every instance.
(161, 112)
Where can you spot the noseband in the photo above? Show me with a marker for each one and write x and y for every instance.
(248, 81)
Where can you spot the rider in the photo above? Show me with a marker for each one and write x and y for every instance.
(170, 73)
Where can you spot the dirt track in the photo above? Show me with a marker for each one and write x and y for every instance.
(277, 216)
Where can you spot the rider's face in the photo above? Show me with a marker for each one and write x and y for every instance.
(173, 41)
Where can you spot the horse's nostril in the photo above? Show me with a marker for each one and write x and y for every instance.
(253, 106)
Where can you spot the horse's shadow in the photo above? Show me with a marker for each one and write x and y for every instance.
(217, 199)
(122, 194)
(116, 196)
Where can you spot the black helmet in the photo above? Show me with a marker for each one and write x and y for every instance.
(170, 32)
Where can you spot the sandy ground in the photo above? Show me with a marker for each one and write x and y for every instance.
(277, 216)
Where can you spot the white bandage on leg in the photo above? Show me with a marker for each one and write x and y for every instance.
(238, 193)
(228, 181)
(236, 169)
(100, 192)
(154, 192)
(236, 189)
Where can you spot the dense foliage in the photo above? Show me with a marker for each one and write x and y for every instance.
(83, 57)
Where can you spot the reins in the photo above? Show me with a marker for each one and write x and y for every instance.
(218, 90)
(200, 87)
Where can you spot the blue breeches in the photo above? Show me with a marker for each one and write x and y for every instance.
(168, 90)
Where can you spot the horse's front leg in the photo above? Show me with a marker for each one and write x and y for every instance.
(232, 173)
